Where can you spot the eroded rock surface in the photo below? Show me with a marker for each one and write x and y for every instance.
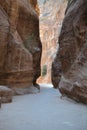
(5, 94)
(69, 70)
(20, 46)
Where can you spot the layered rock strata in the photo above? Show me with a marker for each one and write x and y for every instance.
(20, 46)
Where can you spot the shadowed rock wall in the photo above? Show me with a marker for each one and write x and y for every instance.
(69, 69)
(20, 46)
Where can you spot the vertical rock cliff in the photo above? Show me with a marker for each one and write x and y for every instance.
(20, 46)
(69, 69)
(51, 16)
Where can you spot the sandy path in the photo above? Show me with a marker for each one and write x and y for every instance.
(43, 111)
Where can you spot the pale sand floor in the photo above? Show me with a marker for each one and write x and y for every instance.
(43, 111)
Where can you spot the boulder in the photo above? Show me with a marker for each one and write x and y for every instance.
(5, 95)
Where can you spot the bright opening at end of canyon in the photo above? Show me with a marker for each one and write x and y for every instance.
(50, 23)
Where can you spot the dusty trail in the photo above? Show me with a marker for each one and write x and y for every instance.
(43, 111)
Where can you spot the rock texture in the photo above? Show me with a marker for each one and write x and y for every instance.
(20, 46)
(69, 69)
(51, 16)
(5, 94)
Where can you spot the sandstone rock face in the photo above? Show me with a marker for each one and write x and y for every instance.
(20, 46)
(5, 94)
(51, 16)
(34, 5)
(69, 69)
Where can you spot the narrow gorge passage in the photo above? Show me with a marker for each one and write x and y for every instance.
(43, 111)
(50, 23)
(29, 29)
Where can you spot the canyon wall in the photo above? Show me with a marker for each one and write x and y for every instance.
(51, 16)
(69, 69)
(20, 46)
